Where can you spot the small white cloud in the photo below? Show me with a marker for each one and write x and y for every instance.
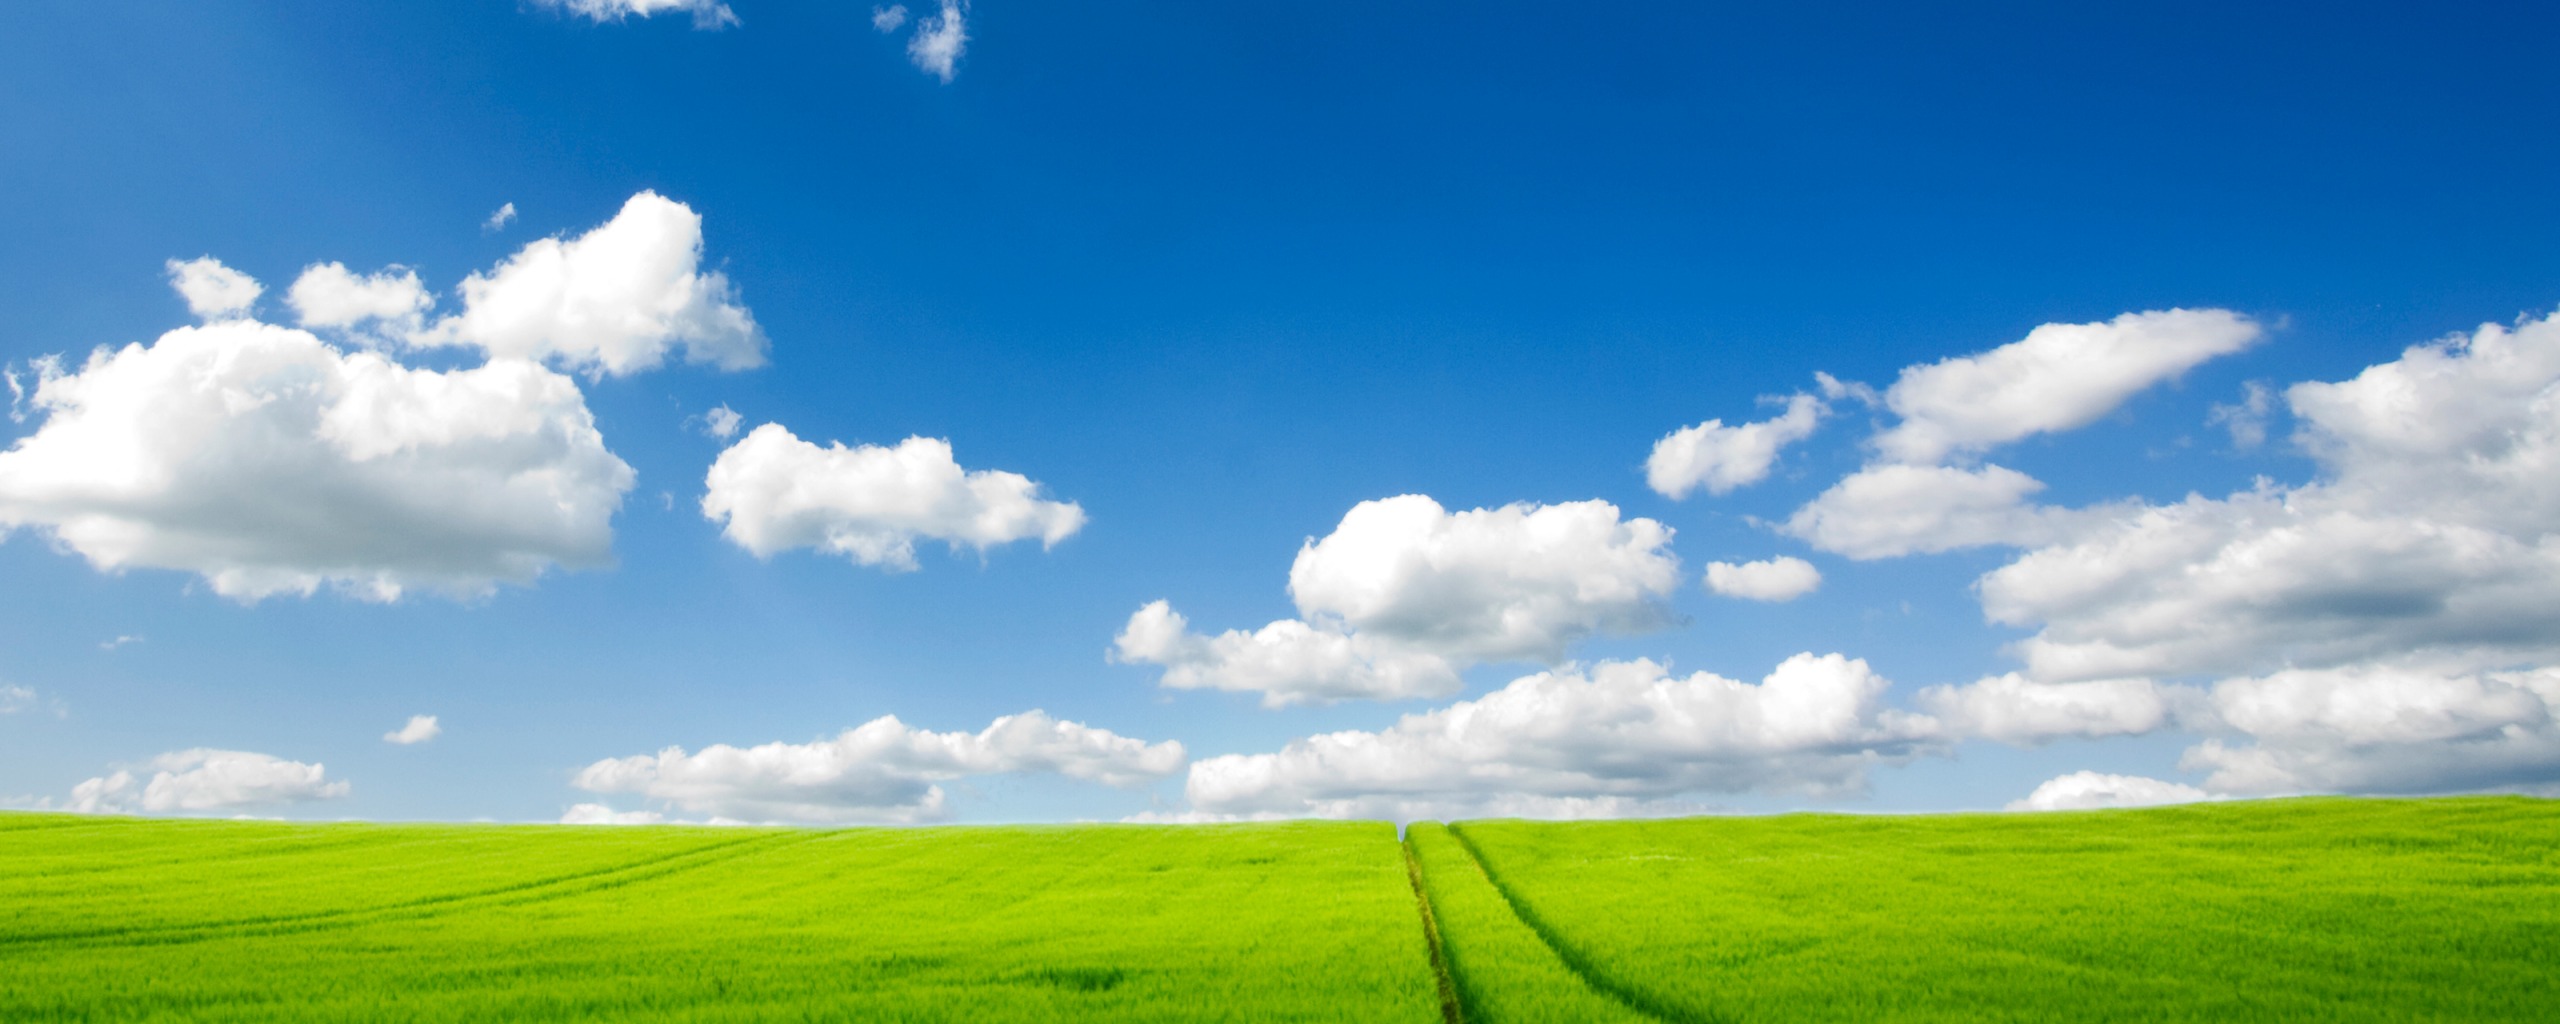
(1721, 458)
(506, 215)
(1404, 593)
(213, 291)
(1621, 738)
(888, 19)
(122, 640)
(616, 300)
(883, 770)
(419, 729)
(773, 492)
(722, 422)
(939, 41)
(2247, 420)
(599, 814)
(205, 780)
(14, 699)
(2080, 791)
(2059, 377)
(707, 14)
(2015, 710)
(1777, 579)
(329, 295)
(1889, 511)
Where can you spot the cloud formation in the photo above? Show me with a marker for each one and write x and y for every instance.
(330, 295)
(205, 780)
(1721, 458)
(2019, 711)
(1403, 593)
(1776, 579)
(267, 461)
(708, 15)
(772, 492)
(2081, 791)
(14, 699)
(614, 301)
(419, 729)
(213, 291)
(1617, 738)
(881, 771)
(939, 40)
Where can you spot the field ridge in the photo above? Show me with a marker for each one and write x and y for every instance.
(1633, 998)
(1449, 1011)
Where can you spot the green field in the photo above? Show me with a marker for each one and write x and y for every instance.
(2301, 910)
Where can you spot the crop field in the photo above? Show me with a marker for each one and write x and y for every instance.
(2300, 910)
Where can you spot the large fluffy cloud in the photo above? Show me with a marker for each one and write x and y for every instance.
(1403, 592)
(773, 492)
(883, 770)
(205, 780)
(2059, 377)
(2013, 709)
(1606, 740)
(707, 14)
(616, 300)
(268, 461)
(1720, 458)
(2383, 727)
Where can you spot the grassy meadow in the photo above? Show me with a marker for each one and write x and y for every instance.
(2299, 910)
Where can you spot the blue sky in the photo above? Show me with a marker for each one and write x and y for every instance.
(1217, 277)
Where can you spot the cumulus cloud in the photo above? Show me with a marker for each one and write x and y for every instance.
(888, 19)
(1721, 458)
(205, 780)
(1404, 592)
(707, 14)
(267, 461)
(773, 492)
(600, 814)
(1612, 739)
(616, 300)
(1888, 511)
(1777, 579)
(2017, 710)
(883, 770)
(2080, 791)
(2059, 377)
(2433, 529)
(213, 291)
(330, 295)
(939, 41)
(506, 215)
(2246, 419)
(420, 728)
(2399, 727)
(722, 422)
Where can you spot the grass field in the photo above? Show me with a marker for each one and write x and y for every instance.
(2303, 910)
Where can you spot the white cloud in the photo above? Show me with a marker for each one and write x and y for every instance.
(1888, 511)
(2080, 791)
(1403, 593)
(1721, 458)
(2403, 727)
(2059, 377)
(506, 215)
(267, 461)
(213, 291)
(883, 770)
(1288, 662)
(2434, 529)
(599, 814)
(2247, 420)
(939, 41)
(120, 641)
(2014, 709)
(707, 14)
(14, 699)
(205, 780)
(888, 19)
(1777, 579)
(773, 492)
(616, 300)
(722, 422)
(1617, 737)
(329, 295)
(420, 728)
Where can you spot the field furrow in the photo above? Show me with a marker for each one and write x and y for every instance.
(1503, 971)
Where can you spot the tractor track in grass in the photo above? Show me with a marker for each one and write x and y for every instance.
(1450, 1013)
(516, 894)
(1633, 998)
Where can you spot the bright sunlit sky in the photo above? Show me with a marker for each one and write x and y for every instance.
(2086, 506)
